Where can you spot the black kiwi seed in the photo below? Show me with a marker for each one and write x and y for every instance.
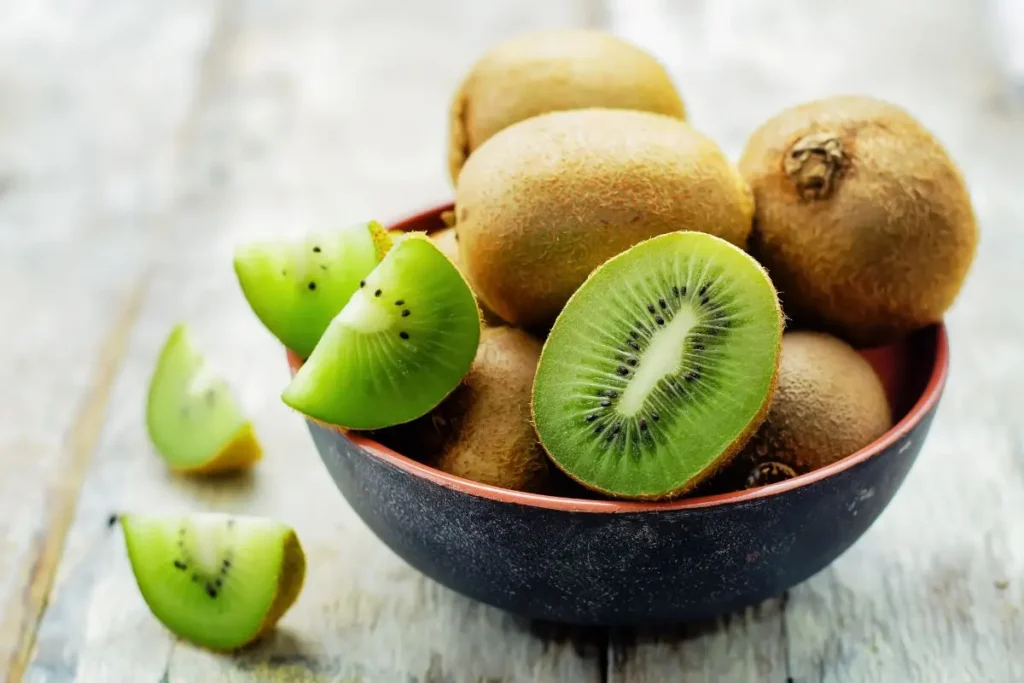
(703, 290)
(362, 283)
(211, 591)
(704, 301)
(323, 266)
(312, 286)
(659, 320)
(633, 345)
(405, 313)
(316, 250)
(218, 583)
(631, 361)
(655, 417)
(661, 302)
(611, 393)
(650, 307)
(634, 334)
(675, 290)
(227, 563)
(598, 429)
(605, 403)
(698, 347)
(643, 424)
(403, 335)
(615, 429)
(591, 417)
(622, 370)
(180, 565)
(400, 302)
(377, 293)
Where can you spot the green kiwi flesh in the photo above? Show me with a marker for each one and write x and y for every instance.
(297, 287)
(192, 417)
(660, 367)
(400, 345)
(216, 580)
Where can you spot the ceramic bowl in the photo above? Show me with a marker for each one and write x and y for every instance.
(600, 562)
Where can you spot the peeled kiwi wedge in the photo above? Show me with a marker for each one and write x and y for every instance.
(401, 344)
(296, 287)
(217, 580)
(660, 367)
(192, 417)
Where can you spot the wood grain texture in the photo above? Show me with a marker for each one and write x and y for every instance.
(78, 180)
(933, 591)
(302, 114)
(142, 138)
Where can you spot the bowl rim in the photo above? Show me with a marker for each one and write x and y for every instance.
(922, 406)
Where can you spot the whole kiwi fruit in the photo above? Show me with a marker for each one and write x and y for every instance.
(862, 219)
(552, 70)
(489, 432)
(546, 200)
(829, 403)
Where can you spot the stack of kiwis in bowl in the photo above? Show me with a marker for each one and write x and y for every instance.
(617, 309)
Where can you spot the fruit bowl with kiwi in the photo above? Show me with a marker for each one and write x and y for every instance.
(591, 533)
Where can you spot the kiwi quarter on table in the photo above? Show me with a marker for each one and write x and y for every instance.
(551, 70)
(660, 367)
(863, 220)
(401, 344)
(829, 404)
(216, 580)
(547, 200)
(192, 417)
(296, 287)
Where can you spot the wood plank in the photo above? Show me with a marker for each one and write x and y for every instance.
(315, 113)
(76, 176)
(931, 593)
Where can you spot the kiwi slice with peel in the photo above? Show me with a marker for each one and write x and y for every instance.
(296, 287)
(660, 367)
(217, 580)
(400, 345)
(192, 418)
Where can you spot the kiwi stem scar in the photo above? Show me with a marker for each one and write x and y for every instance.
(663, 357)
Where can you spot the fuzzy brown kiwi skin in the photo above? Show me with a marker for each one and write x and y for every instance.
(447, 241)
(829, 404)
(862, 218)
(491, 436)
(553, 70)
(708, 474)
(547, 200)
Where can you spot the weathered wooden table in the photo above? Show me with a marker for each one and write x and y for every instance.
(140, 140)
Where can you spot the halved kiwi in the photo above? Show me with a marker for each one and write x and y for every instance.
(660, 367)
(296, 287)
(216, 580)
(401, 344)
(192, 418)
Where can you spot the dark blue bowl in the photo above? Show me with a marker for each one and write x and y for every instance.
(586, 561)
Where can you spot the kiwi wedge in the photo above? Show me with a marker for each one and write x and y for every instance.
(402, 343)
(216, 580)
(550, 70)
(862, 218)
(296, 287)
(660, 367)
(192, 417)
(829, 404)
